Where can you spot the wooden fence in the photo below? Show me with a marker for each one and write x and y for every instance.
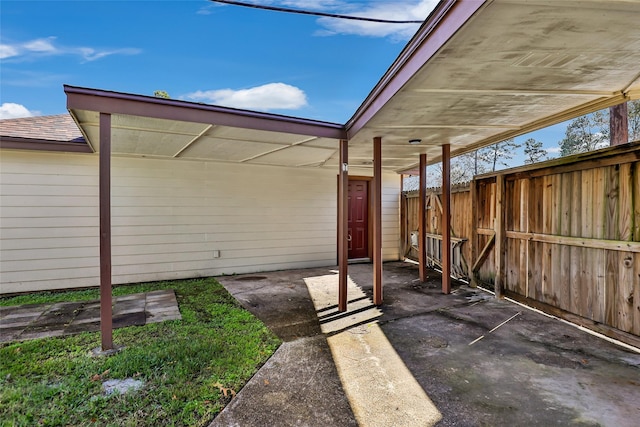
(562, 236)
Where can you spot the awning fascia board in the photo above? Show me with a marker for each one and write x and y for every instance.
(17, 143)
(79, 98)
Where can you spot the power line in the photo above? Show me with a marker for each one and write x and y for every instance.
(308, 12)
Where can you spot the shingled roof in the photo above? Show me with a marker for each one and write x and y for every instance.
(60, 128)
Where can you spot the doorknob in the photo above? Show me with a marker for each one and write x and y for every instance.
(348, 237)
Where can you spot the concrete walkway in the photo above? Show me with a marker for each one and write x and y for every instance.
(31, 321)
(423, 358)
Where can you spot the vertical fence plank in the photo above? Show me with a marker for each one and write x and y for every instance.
(545, 266)
(524, 245)
(576, 231)
(625, 197)
(623, 315)
(473, 224)
(557, 286)
(635, 218)
(613, 268)
(636, 295)
(587, 280)
(535, 248)
(500, 245)
(565, 230)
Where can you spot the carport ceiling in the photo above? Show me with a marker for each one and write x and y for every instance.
(474, 74)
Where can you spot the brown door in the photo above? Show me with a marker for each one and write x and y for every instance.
(358, 220)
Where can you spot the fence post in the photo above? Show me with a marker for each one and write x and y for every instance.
(500, 242)
(473, 239)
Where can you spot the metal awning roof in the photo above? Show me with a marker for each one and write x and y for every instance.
(474, 74)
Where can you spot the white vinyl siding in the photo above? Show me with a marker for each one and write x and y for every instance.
(168, 218)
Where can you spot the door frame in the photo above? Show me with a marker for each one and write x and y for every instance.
(369, 181)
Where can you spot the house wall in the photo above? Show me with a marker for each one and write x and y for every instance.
(168, 218)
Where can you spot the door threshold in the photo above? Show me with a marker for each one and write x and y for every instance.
(358, 260)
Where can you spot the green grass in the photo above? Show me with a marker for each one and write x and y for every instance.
(185, 364)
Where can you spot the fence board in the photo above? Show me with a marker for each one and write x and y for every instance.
(572, 236)
(636, 297)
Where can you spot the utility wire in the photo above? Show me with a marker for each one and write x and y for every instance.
(308, 12)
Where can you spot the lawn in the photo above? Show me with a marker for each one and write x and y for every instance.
(190, 368)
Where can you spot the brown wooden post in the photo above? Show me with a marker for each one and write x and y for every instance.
(619, 124)
(422, 220)
(377, 220)
(343, 183)
(106, 311)
(500, 242)
(473, 240)
(446, 219)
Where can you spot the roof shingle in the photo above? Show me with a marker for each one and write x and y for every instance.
(60, 128)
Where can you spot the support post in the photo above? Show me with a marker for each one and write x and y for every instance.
(106, 310)
(422, 220)
(473, 241)
(501, 238)
(377, 220)
(343, 183)
(446, 219)
(619, 124)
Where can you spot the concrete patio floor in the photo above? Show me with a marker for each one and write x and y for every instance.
(418, 359)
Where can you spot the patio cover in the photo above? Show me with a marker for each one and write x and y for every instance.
(475, 73)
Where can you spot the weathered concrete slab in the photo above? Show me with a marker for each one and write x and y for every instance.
(298, 386)
(532, 370)
(19, 323)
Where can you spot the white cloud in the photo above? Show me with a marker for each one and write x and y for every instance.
(272, 96)
(416, 10)
(41, 45)
(397, 10)
(553, 150)
(47, 47)
(7, 51)
(10, 110)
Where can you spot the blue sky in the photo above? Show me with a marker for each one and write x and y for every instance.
(197, 50)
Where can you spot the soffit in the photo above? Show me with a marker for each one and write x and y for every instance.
(196, 132)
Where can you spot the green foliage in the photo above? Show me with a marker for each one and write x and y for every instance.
(161, 94)
(184, 364)
(533, 151)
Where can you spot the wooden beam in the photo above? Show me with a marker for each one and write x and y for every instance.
(500, 237)
(106, 311)
(377, 220)
(581, 242)
(422, 220)
(619, 124)
(343, 183)
(483, 255)
(446, 219)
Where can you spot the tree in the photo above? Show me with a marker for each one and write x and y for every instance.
(498, 153)
(586, 133)
(534, 152)
(161, 94)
